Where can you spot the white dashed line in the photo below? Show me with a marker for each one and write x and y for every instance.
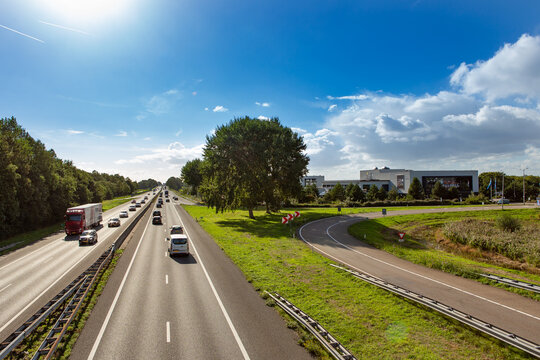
(168, 331)
(166, 279)
(5, 287)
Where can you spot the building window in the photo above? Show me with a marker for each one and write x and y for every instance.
(462, 183)
(401, 182)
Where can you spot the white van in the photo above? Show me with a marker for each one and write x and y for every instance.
(179, 245)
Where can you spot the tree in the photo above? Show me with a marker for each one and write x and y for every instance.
(192, 174)
(348, 190)
(382, 194)
(338, 192)
(174, 183)
(453, 193)
(357, 194)
(439, 191)
(415, 189)
(393, 194)
(249, 162)
(372, 193)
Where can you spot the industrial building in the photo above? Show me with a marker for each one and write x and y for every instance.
(466, 181)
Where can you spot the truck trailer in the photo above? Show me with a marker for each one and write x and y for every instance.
(83, 217)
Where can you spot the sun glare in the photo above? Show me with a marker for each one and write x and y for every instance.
(87, 11)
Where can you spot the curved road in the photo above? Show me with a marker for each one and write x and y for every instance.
(504, 309)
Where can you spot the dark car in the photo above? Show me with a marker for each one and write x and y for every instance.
(88, 237)
(156, 220)
(167, 200)
(158, 205)
(156, 213)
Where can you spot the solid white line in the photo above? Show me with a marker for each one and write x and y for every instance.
(5, 287)
(412, 272)
(222, 307)
(113, 305)
(168, 331)
(166, 279)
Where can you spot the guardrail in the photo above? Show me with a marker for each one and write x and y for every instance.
(81, 285)
(328, 341)
(487, 328)
(513, 283)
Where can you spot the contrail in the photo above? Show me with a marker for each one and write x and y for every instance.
(23, 34)
(64, 27)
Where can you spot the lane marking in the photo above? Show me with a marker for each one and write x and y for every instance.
(166, 279)
(165, 253)
(5, 287)
(411, 272)
(222, 307)
(168, 332)
(113, 305)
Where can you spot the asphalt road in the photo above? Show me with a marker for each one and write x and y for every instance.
(33, 275)
(504, 309)
(195, 307)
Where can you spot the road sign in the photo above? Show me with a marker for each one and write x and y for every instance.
(284, 220)
(297, 214)
(401, 235)
(384, 211)
(290, 217)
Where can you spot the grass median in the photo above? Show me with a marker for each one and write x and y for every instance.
(368, 321)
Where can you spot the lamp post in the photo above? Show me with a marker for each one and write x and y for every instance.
(502, 199)
(524, 184)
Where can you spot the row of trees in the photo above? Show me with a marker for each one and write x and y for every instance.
(148, 184)
(37, 187)
(513, 185)
(248, 162)
(174, 183)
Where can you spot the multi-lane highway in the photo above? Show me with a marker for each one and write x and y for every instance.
(193, 307)
(504, 309)
(31, 276)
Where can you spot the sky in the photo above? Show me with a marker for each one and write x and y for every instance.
(134, 86)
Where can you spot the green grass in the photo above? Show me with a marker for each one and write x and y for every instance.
(370, 322)
(109, 204)
(421, 247)
(27, 238)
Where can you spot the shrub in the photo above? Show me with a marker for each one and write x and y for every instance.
(508, 223)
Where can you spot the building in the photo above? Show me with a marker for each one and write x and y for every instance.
(466, 181)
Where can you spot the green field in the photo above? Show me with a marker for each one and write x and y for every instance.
(370, 322)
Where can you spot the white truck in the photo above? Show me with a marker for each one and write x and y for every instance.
(83, 217)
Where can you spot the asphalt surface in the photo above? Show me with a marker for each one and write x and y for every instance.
(504, 309)
(194, 307)
(33, 275)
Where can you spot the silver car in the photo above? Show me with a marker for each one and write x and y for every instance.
(88, 237)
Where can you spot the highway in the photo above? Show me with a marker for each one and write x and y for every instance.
(192, 307)
(501, 308)
(31, 276)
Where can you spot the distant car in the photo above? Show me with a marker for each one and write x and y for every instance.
(156, 220)
(138, 204)
(503, 201)
(88, 237)
(146, 197)
(156, 213)
(179, 245)
(143, 201)
(158, 205)
(133, 201)
(132, 208)
(175, 198)
(123, 214)
(177, 229)
(167, 200)
(114, 222)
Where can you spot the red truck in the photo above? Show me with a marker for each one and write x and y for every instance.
(82, 217)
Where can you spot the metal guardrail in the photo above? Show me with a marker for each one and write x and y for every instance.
(487, 328)
(13, 340)
(513, 283)
(328, 341)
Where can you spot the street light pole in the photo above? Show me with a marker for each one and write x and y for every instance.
(524, 184)
(502, 199)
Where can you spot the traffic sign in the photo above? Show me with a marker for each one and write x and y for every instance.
(401, 235)
(284, 220)
(297, 214)
(290, 217)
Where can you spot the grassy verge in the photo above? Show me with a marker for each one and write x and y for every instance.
(30, 345)
(368, 321)
(424, 246)
(24, 239)
(109, 204)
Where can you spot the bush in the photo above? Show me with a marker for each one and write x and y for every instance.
(508, 223)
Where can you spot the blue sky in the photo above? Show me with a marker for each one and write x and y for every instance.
(134, 86)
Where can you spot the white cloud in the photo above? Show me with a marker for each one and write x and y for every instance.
(458, 129)
(263, 104)
(194, 93)
(261, 117)
(74, 132)
(178, 133)
(348, 97)
(171, 92)
(122, 133)
(175, 153)
(162, 103)
(513, 70)
(147, 139)
(206, 109)
(220, 108)
(332, 107)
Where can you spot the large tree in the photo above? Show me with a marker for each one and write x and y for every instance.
(174, 183)
(192, 174)
(338, 192)
(415, 189)
(249, 162)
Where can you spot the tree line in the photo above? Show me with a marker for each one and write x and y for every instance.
(37, 187)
